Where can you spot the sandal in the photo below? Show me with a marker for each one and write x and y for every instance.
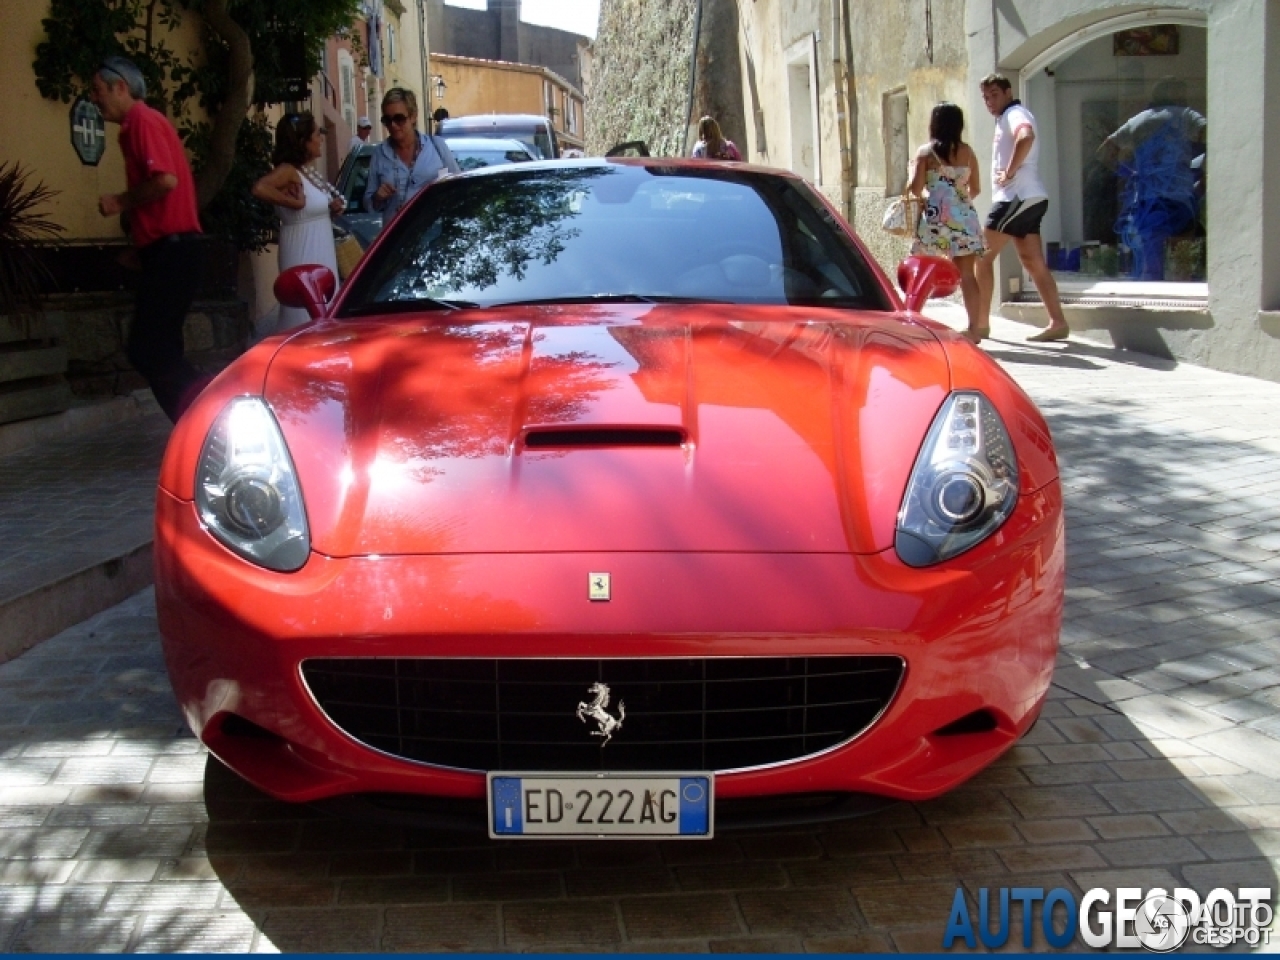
(976, 335)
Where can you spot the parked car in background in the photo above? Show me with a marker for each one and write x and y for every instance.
(472, 153)
(612, 498)
(352, 178)
(533, 131)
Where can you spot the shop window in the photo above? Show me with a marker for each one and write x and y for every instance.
(347, 87)
(1124, 157)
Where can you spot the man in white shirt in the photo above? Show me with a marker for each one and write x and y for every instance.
(1018, 204)
(363, 128)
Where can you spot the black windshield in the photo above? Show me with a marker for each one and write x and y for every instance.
(617, 231)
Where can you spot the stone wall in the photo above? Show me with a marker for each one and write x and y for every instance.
(557, 50)
(868, 212)
(33, 364)
(96, 326)
(897, 47)
(640, 81)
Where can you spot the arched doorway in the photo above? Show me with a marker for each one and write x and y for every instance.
(1122, 107)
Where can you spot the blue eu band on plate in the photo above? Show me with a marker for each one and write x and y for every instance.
(601, 805)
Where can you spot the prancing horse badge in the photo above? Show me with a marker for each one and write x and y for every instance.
(597, 586)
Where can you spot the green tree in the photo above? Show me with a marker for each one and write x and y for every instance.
(209, 94)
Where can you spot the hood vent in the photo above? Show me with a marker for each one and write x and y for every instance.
(604, 437)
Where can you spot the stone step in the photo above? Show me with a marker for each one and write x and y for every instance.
(24, 399)
(32, 360)
(49, 325)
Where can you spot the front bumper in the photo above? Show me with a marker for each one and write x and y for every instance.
(979, 633)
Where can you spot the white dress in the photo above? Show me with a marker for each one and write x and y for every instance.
(306, 236)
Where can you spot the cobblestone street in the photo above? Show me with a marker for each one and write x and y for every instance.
(1154, 764)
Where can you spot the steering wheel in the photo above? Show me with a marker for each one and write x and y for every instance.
(741, 248)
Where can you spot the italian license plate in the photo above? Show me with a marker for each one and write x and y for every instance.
(601, 805)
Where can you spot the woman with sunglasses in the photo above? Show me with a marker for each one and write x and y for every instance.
(407, 160)
(303, 200)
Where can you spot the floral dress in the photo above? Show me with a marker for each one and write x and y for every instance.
(950, 226)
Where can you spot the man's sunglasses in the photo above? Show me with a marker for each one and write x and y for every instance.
(398, 119)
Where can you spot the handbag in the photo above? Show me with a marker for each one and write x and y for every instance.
(902, 215)
(348, 252)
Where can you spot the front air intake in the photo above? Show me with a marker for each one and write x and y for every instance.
(980, 721)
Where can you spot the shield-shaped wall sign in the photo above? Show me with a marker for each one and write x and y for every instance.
(88, 132)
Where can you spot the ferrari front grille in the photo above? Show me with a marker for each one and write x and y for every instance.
(723, 713)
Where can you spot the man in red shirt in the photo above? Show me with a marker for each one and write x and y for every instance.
(160, 207)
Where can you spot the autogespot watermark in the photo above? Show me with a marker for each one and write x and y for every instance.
(1130, 917)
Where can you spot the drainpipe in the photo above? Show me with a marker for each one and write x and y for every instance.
(693, 77)
(838, 71)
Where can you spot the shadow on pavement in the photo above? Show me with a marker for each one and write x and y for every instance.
(1087, 800)
(1152, 766)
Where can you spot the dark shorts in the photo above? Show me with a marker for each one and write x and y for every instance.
(1017, 218)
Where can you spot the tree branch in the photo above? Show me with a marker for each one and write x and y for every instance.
(226, 125)
(151, 16)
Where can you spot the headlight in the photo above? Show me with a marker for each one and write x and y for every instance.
(246, 489)
(964, 484)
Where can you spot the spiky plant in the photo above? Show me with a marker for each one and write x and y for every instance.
(22, 228)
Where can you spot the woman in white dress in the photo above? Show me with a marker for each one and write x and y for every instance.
(303, 200)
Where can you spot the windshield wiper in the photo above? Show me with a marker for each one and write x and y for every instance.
(408, 306)
(603, 298)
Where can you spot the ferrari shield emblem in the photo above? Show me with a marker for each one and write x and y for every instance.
(597, 586)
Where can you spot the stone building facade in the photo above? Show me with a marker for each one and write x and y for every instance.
(472, 86)
(498, 33)
(840, 91)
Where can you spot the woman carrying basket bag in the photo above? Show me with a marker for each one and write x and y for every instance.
(902, 215)
(945, 170)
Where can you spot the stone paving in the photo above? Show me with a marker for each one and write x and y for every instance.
(1155, 763)
(77, 501)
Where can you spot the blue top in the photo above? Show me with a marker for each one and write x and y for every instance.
(434, 157)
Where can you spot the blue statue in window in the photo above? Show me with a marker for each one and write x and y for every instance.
(1160, 157)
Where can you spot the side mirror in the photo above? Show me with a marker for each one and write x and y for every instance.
(640, 147)
(309, 286)
(921, 277)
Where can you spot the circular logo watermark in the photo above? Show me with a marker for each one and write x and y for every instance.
(1161, 924)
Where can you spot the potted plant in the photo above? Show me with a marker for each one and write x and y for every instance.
(32, 364)
(1184, 259)
(22, 229)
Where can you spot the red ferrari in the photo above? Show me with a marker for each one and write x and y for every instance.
(614, 498)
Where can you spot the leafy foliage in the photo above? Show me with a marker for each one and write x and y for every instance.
(82, 32)
(22, 229)
(233, 212)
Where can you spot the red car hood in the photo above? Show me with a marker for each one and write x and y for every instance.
(767, 429)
